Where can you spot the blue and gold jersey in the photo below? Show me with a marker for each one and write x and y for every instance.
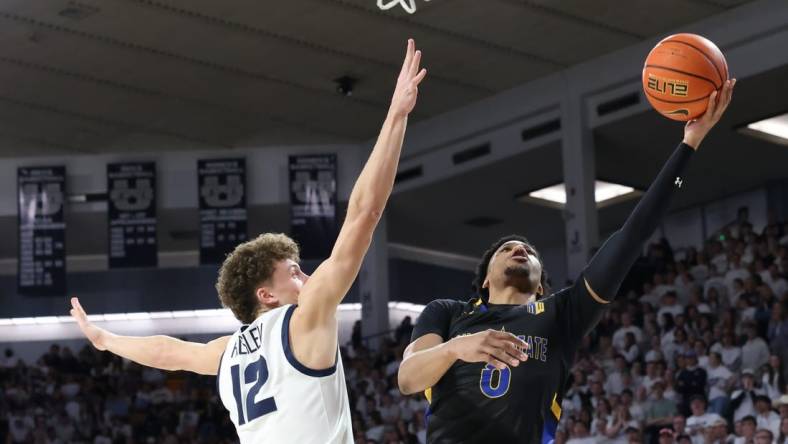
(477, 403)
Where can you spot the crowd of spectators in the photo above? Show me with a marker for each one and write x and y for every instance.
(694, 350)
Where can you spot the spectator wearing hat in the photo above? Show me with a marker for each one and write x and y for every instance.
(715, 430)
(720, 381)
(781, 404)
(746, 432)
(691, 380)
(699, 418)
(766, 418)
(743, 400)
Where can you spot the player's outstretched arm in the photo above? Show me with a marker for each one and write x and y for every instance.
(324, 291)
(608, 268)
(162, 352)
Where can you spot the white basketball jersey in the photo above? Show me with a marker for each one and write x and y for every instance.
(273, 398)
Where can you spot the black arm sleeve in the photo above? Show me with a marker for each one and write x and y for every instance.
(581, 306)
(608, 268)
(435, 318)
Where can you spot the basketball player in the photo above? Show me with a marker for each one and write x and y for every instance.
(280, 375)
(495, 368)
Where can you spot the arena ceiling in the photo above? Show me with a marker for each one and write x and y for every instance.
(117, 75)
(112, 75)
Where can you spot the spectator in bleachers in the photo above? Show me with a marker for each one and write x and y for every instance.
(765, 418)
(782, 437)
(743, 400)
(754, 352)
(720, 382)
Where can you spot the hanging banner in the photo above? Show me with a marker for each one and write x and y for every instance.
(222, 187)
(41, 269)
(131, 207)
(313, 197)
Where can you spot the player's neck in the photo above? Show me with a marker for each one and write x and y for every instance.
(510, 295)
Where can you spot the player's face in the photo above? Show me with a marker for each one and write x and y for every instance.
(287, 281)
(516, 264)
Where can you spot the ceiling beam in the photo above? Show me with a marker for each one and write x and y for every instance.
(257, 32)
(207, 64)
(457, 36)
(546, 9)
(132, 127)
(161, 95)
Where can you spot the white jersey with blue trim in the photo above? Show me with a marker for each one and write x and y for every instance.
(273, 398)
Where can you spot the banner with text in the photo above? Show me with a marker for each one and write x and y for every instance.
(313, 198)
(131, 208)
(222, 188)
(41, 269)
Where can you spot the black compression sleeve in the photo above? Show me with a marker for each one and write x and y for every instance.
(608, 268)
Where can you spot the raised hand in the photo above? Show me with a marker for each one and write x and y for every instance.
(696, 129)
(494, 347)
(410, 77)
(95, 335)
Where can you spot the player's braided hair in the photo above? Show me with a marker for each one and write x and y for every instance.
(248, 266)
(483, 294)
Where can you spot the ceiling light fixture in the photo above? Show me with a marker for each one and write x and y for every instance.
(554, 196)
(773, 129)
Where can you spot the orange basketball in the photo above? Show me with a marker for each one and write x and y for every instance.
(680, 73)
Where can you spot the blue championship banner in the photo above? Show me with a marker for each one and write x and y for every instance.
(313, 197)
(41, 267)
(131, 208)
(222, 187)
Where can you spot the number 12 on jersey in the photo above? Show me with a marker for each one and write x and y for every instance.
(257, 373)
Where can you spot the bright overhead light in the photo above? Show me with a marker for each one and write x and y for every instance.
(175, 323)
(773, 129)
(605, 193)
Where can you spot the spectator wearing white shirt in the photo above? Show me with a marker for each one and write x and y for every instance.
(754, 352)
(699, 418)
(631, 351)
(731, 354)
(765, 417)
(746, 431)
(720, 381)
(580, 434)
(615, 381)
(626, 327)
(774, 280)
(772, 379)
(662, 285)
(670, 306)
(743, 400)
(735, 271)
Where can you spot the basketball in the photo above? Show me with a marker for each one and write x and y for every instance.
(680, 73)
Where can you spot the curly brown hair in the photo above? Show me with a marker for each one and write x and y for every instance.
(248, 266)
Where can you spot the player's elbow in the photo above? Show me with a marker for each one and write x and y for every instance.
(366, 211)
(405, 380)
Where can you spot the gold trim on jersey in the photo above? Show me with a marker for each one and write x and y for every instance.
(593, 293)
(555, 408)
(428, 394)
